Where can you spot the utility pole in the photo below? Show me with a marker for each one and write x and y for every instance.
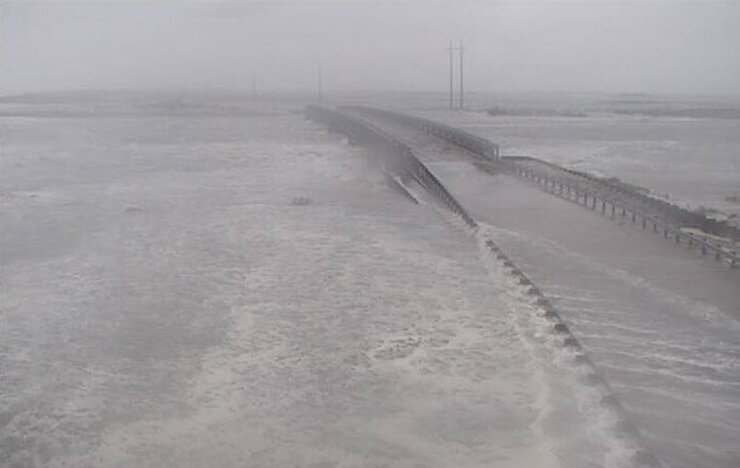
(319, 90)
(452, 100)
(462, 81)
(452, 50)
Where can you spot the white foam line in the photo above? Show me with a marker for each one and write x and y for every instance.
(547, 351)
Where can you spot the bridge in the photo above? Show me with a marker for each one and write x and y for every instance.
(414, 153)
(607, 197)
(399, 160)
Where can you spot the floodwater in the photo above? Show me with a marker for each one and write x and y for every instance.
(207, 281)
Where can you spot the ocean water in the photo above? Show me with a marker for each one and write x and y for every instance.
(207, 281)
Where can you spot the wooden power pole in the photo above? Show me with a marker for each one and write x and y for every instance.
(462, 80)
(319, 88)
(452, 99)
(461, 101)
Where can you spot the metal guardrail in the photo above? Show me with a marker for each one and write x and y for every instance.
(675, 214)
(568, 190)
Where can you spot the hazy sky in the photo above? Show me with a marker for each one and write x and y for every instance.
(525, 45)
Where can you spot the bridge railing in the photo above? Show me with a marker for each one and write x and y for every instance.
(473, 143)
(676, 214)
(400, 156)
(570, 190)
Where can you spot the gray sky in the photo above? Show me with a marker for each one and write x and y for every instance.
(525, 45)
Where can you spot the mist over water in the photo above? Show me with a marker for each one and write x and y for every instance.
(193, 274)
